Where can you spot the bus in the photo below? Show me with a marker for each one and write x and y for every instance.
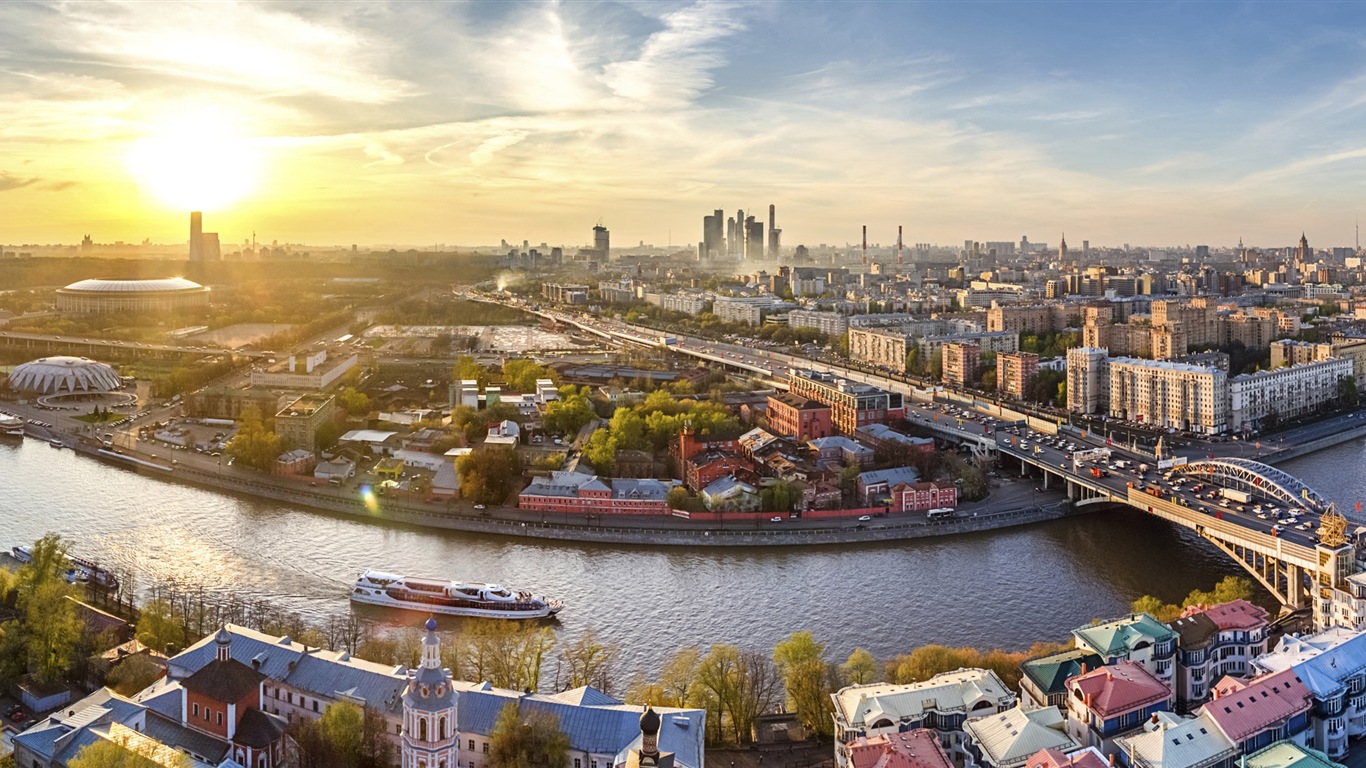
(939, 514)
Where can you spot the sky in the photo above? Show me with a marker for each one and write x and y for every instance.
(467, 123)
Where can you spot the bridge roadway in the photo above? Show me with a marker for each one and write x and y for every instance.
(44, 341)
(1279, 559)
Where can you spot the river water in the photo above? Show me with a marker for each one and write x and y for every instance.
(1003, 589)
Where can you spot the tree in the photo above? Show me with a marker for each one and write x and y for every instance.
(254, 445)
(859, 668)
(50, 630)
(507, 657)
(521, 374)
(467, 368)
(806, 676)
(346, 736)
(159, 629)
(736, 687)
(354, 402)
(489, 475)
(1156, 608)
(133, 674)
(530, 739)
(588, 661)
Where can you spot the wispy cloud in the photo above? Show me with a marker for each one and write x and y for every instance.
(8, 182)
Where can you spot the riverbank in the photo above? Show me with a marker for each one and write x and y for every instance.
(651, 530)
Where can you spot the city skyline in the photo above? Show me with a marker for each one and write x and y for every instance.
(472, 123)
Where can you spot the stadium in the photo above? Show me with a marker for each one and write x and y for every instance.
(170, 294)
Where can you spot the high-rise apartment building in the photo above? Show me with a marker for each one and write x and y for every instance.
(962, 361)
(713, 244)
(1260, 399)
(754, 239)
(1160, 393)
(1015, 371)
(602, 243)
(1088, 380)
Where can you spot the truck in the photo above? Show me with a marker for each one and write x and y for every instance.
(1142, 469)
(1098, 472)
(1242, 497)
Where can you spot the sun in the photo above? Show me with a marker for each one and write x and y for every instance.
(195, 163)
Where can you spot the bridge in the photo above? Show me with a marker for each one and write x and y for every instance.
(1301, 568)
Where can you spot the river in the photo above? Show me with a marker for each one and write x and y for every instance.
(1003, 589)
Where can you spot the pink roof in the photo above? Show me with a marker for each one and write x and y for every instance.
(1265, 702)
(1052, 758)
(1239, 614)
(913, 749)
(1118, 689)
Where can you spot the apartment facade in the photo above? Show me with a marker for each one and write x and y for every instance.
(962, 363)
(852, 405)
(1282, 393)
(800, 417)
(1088, 380)
(1171, 395)
(830, 323)
(1015, 371)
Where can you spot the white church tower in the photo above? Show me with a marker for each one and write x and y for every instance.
(430, 739)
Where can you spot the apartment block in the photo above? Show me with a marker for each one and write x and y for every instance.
(852, 405)
(1015, 371)
(1088, 380)
(1036, 319)
(1172, 395)
(962, 363)
(830, 323)
(1290, 352)
(1285, 392)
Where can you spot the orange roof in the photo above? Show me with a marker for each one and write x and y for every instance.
(1052, 758)
(912, 749)
(1118, 689)
(1264, 703)
(1238, 614)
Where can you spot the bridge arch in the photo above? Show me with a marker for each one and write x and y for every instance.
(1261, 479)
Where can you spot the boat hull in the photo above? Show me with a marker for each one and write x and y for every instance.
(371, 596)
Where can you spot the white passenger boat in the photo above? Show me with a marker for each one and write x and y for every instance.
(11, 426)
(451, 598)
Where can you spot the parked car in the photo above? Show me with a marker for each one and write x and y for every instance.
(775, 519)
(865, 518)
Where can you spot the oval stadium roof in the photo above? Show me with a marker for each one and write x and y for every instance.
(134, 286)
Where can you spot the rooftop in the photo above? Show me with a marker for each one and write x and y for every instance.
(962, 690)
(1123, 635)
(1288, 754)
(918, 748)
(1119, 689)
(1175, 742)
(1050, 673)
(1011, 737)
(1262, 704)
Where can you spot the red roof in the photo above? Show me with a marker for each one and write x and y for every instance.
(1264, 703)
(1239, 614)
(912, 749)
(1118, 689)
(1052, 758)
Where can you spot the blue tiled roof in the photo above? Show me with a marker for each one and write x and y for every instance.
(599, 728)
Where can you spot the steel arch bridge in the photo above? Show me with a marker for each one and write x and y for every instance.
(1261, 479)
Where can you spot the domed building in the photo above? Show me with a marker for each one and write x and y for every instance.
(54, 375)
(170, 294)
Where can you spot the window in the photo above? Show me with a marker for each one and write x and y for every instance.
(578, 763)
(315, 705)
(443, 729)
(471, 745)
(220, 718)
(195, 710)
(422, 729)
(486, 747)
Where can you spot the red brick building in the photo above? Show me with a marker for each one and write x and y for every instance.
(707, 467)
(1015, 371)
(799, 417)
(852, 404)
(919, 497)
(584, 494)
(224, 699)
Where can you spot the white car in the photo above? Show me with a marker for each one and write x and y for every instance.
(865, 518)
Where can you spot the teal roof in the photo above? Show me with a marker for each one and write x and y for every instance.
(1288, 754)
(1123, 635)
(1049, 673)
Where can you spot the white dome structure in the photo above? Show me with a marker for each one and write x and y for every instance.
(168, 294)
(54, 375)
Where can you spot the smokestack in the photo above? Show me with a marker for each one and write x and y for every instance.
(772, 215)
(899, 259)
(865, 245)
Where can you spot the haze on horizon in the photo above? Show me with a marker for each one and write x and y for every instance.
(467, 123)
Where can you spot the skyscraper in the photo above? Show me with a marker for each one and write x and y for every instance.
(601, 242)
(741, 234)
(754, 239)
(731, 237)
(773, 232)
(1062, 249)
(712, 243)
(196, 236)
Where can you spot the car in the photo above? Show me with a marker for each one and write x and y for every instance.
(479, 506)
(865, 518)
(775, 519)
(16, 714)
(1277, 528)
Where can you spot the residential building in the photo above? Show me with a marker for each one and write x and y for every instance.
(1009, 739)
(1137, 638)
(918, 748)
(688, 304)
(1250, 331)
(1290, 352)
(1288, 754)
(882, 347)
(1257, 400)
(1088, 380)
(883, 436)
(799, 417)
(962, 363)
(1215, 642)
(838, 448)
(745, 309)
(1165, 394)
(944, 703)
(852, 404)
(1169, 741)
(1256, 714)
(1089, 757)
(565, 293)
(1036, 319)
(704, 468)
(298, 423)
(1352, 348)
(831, 324)
(622, 292)
(919, 497)
(1332, 665)
(580, 493)
(1043, 681)
(1004, 341)
(1113, 701)
(728, 494)
(875, 488)
(1015, 371)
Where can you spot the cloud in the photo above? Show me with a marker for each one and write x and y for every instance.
(675, 63)
(380, 155)
(8, 182)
